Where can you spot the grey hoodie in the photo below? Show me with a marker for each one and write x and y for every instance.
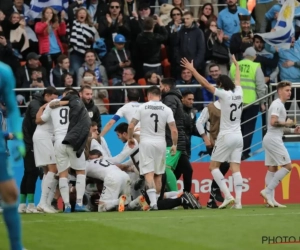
(102, 72)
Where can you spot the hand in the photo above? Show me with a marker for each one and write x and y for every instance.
(276, 49)
(22, 23)
(203, 18)
(207, 142)
(246, 40)
(62, 15)
(20, 149)
(44, 106)
(2, 16)
(262, 107)
(10, 136)
(288, 64)
(120, 19)
(122, 65)
(234, 60)
(297, 130)
(109, 19)
(131, 143)
(3, 40)
(186, 64)
(135, 15)
(173, 150)
(289, 122)
(127, 64)
(220, 35)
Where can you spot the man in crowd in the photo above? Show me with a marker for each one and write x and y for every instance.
(62, 67)
(213, 74)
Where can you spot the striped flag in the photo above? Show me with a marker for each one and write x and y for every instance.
(37, 6)
(284, 28)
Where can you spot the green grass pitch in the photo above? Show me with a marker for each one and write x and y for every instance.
(158, 230)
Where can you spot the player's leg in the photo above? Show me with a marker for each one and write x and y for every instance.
(125, 190)
(9, 194)
(185, 169)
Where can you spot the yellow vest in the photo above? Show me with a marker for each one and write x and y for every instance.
(248, 73)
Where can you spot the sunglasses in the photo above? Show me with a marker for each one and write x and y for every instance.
(176, 14)
(115, 7)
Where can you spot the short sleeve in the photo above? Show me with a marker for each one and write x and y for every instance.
(170, 117)
(221, 93)
(276, 110)
(120, 112)
(46, 114)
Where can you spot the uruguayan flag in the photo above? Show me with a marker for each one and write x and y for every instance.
(284, 28)
(37, 6)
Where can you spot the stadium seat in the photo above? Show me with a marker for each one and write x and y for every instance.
(165, 62)
(142, 81)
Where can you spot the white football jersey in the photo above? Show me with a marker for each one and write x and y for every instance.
(276, 109)
(231, 103)
(99, 168)
(153, 117)
(44, 131)
(60, 120)
(127, 111)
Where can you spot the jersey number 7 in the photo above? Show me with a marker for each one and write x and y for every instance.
(155, 121)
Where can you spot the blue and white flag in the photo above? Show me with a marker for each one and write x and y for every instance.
(284, 30)
(37, 6)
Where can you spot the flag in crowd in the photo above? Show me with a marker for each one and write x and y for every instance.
(37, 6)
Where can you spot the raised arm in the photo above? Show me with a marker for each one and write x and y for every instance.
(237, 80)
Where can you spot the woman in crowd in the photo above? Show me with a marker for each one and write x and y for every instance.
(152, 78)
(179, 4)
(206, 14)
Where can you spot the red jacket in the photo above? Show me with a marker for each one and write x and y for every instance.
(41, 30)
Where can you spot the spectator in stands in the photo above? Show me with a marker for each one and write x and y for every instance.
(180, 5)
(86, 95)
(205, 16)
(152, 3)
(97, 9)
(130, 7)
(82, 36)
(152, 78)
(62, 67)
(213, 75)
(228, 19)
(261, 8)
(188, 79)
(117, 59)
(67, 80)
(95, 65)
(23, 76)
(216, 50)
(48, 32)
(89, 78)
(190, 43)
(271, 16)
(115, 22)
(173, 27)
(148, 45)
(242, 40)
(120, 95)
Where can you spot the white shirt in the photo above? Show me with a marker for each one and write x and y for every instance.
(99, 168)
(202, 123)
(277, 109)
(153, 117)
(231, 103)
(44, 131)
(60, 120)
(103, 148)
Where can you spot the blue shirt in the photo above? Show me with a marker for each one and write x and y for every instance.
(54, 47)
(276, 9)
(230, 23)
(263, 1)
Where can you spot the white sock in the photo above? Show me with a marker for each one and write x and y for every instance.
(157, 196)
(64, 191)
(238, 186)
(152, 196)
(80, 188)
(278, 176)
(52, 191)
(268, 179)
(171, 194)
(135, 203)
(220, 180)
(43, 182)
(47, 183)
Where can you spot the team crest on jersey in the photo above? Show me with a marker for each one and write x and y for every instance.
(91, 114)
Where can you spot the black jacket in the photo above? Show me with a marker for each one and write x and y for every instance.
(29, 125)
(112, 63)
(79, 124)
(189, 126)
(237, 47)
(57, 77)
(172, 99)
(94, 113)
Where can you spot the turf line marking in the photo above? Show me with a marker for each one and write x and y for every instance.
(151, 218)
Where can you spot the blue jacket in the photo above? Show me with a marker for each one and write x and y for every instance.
(207, 96)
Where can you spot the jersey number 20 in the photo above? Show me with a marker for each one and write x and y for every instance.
(234, 108)
(63, 113)
(155, 121)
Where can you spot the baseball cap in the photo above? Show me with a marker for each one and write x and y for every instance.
(119, 39)
(32, 55)
(250, 52)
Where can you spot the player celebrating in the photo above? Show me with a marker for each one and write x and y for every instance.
(8, 188)
(276, 153)
(153, 117)
(229, 144)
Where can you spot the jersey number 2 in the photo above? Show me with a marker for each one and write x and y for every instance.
(234, 108)
(63, 113)
(155, 121)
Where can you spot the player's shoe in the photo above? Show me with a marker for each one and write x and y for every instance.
(153, 208)
(80, 208)
(31, 209)
(267, 197)
(67, 209)
(122, 200)
(216, 194)
(46, 209)
(22, 209)
(143, 203)
(185, 202)
(212, 204)
(237, 206)
(276, 204)
(226, 202)
(195, 202)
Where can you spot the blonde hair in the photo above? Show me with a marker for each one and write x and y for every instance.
(88, 19)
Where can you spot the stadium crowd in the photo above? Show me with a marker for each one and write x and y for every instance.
(97, 43)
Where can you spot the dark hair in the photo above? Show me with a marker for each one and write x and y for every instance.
(148, 23)
(95, 152)
(259, 38)
(83, 87)
(187, 92)
(61, 58)
(200, 11)
(89, 51)
(122, 128)
(171, 82)
(133, 95)
(50, 91)
(131, 69)
(283, 84)
(154, 90)
(71, 91)
(92, 72)
(188, 13)
(176, 8)
(63, 77)
(94, 124)
(149, 74)
(213, 65)
(225, 82)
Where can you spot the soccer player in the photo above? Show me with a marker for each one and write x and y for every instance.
(127, 111)
(65, 148)
(229, 144)
(153, 117)
(8, 188)
(276, 153)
